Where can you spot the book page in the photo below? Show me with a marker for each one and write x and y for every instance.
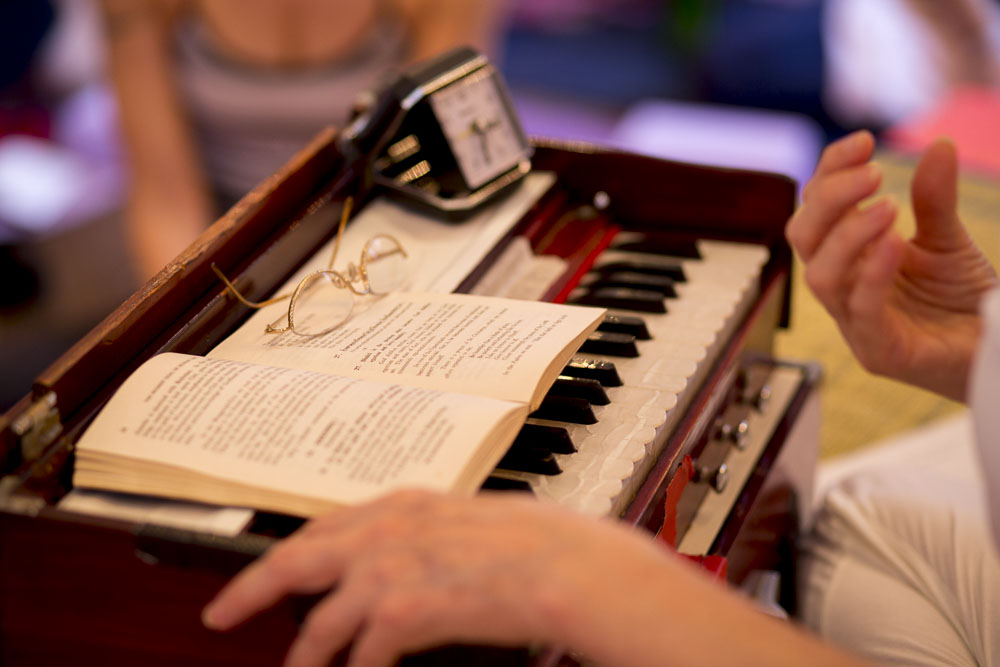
(503, 348)
(343, 440)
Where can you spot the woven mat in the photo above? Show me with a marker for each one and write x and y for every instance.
(858, 408)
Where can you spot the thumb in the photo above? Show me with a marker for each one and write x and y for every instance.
(934, 193)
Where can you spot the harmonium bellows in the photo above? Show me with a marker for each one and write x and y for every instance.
(675, 417)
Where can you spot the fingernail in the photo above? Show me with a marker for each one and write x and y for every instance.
(210, 619)
(857, 139)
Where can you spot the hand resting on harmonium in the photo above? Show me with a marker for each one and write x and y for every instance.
(416, 569)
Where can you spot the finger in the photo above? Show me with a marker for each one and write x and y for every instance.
(833, 266)
(934, 192)
(371, 583)
(329, 627)
(298, 565)
(870, 300)
(388, 633)
(854, 149)
(416, 619)
(828, 200)
(850, 151)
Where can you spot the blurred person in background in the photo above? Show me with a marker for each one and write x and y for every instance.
(688, 79)
(215, 95)
(846, 63)
(923, 50)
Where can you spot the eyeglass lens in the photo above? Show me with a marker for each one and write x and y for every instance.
(385, 265)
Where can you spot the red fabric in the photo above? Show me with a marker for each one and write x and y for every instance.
(668, 532)
(715, 565)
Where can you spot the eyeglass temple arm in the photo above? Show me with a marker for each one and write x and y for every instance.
(344, 215)
(242, 299)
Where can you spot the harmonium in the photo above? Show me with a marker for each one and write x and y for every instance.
(674, 416)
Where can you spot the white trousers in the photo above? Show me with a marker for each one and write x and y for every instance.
(901, 566)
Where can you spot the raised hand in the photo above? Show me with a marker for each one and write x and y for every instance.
(907, 308)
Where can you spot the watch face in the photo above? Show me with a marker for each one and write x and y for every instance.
(480, 126)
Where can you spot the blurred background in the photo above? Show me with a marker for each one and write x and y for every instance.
(761, 84)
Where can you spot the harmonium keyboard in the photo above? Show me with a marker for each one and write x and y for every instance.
(674, 416)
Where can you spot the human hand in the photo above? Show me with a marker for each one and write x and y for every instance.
(414, 570)
(908, 309)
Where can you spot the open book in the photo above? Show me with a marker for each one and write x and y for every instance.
(418, 390)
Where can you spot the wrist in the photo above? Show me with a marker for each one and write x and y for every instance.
(617, 611)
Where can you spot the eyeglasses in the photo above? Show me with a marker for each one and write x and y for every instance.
(324, 299)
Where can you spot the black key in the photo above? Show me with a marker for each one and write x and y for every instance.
(553, 438)
(610, 344)
(643, 281)
(625, 324)
(566, 409)
(623, 298)
(590, 390)
(656, 244)
(670, 268)
(596, 369)
(530, 459)
(494, 483)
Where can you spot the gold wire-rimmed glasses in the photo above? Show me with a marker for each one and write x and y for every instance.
(324, 299)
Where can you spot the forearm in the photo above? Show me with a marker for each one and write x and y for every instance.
(169, 201)
(950, 378)
(159, 229)
(655, 609)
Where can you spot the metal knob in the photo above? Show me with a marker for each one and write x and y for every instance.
(740, 434)
(762, 398)
(717, 478)
(720, 478)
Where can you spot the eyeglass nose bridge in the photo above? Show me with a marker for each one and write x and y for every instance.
(354, 274)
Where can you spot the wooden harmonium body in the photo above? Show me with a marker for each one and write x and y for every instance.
(710, 461)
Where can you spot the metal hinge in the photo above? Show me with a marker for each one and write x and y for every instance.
(38, 426)
(14, 503)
